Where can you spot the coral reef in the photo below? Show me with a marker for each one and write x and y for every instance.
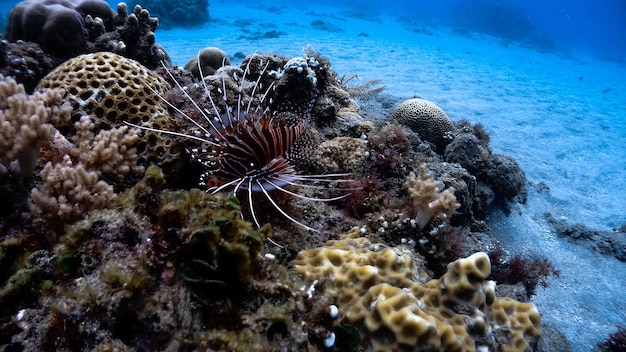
(119, 254)
(377, 290)
(65, 29)
(499, 173)
(56, 25)
(426, 119)
(111, 89)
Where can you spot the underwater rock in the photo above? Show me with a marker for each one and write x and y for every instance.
(500, 172)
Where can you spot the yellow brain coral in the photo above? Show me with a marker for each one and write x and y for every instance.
(354, 264)
(112, 89)
(384, 293)
(426, 119)
(109, 87)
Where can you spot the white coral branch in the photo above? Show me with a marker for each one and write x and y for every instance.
(427, 197)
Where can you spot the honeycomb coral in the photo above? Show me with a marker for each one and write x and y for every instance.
(112, 89)
(352, 265)
(378, 292)
(520, 321)
(426, 119)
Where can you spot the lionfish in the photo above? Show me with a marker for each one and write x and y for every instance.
(247, 146)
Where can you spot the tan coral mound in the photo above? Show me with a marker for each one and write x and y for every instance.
(426, 119)
(111, 90)
(380, 291)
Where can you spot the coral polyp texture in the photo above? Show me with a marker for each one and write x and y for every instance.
(111, 89)
(426, 119)
(380, 291)
(354, 264)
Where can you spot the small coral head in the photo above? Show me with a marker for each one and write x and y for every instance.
(245, 147)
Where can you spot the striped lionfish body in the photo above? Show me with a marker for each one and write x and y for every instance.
(245, 147)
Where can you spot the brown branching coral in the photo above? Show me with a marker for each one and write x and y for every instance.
(427, 197)
(110, 153)
(69, 191)
(25, 125)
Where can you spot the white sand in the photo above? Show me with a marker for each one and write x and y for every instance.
(562, 118)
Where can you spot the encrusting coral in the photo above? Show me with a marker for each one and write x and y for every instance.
(341, 154)
(353, 264)
(387, 296)
(428, 199)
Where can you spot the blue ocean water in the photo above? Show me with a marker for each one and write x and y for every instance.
(546, 78)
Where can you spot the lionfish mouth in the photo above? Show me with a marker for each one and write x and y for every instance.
(247, 147)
